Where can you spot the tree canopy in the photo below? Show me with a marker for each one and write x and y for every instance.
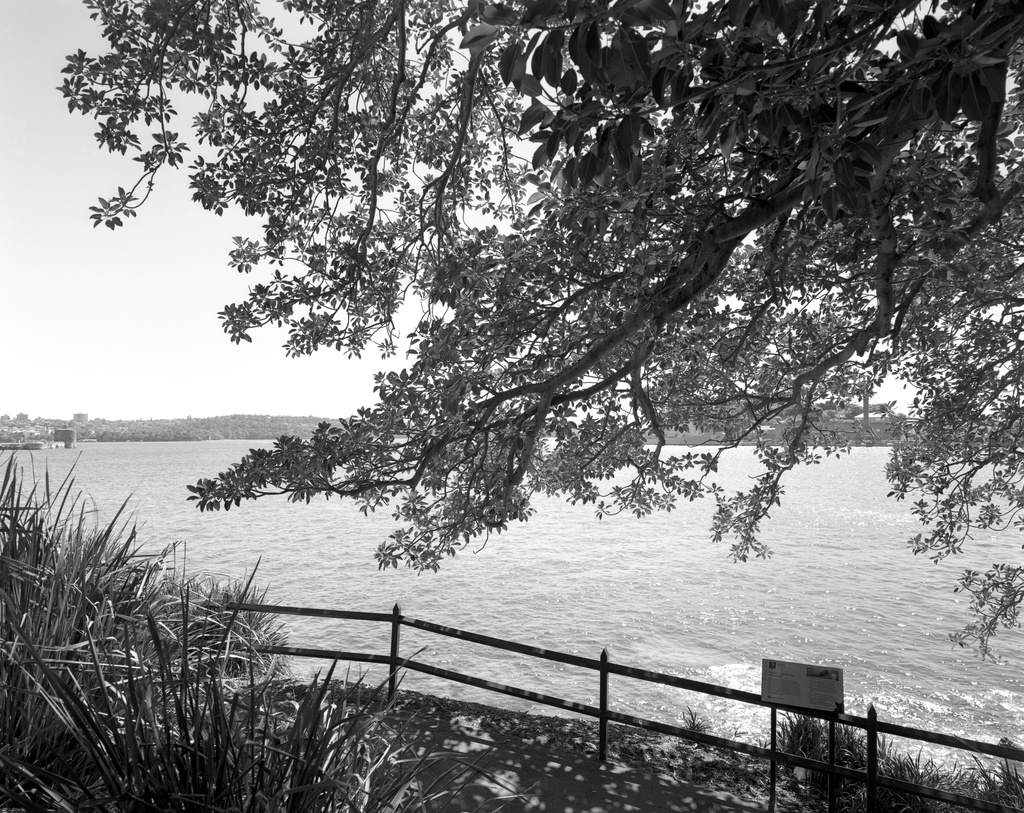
(616, 218)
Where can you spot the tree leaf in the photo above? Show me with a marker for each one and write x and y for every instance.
(579, 52)
(869, 152)
(627, 135)
(995, 82)
(727, 139)
(636, 170)
(537, 57)
(620, 73)
(707, 118)
(738, 11)
(532, 116)
(479, 37)
(830, 203)
(592, 47)
(844, 173)
(529, 85)
(975, 99)
(552, 62)
(499, 14)
(518, 72)
(946, 91)
(540, 157)
(569, 82)
(538, 10)
(908, 43)
(508, 60)
(636, 54)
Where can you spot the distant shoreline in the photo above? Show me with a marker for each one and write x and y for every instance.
(102, 430)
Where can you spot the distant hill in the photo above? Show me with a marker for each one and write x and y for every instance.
(223, 427)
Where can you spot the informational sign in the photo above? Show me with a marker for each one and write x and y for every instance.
(802, 684)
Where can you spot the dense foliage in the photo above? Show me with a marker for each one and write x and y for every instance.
(618, 217)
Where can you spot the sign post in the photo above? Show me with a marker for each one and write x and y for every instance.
(807, 686)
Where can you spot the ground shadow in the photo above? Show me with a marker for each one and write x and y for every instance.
(504, 773)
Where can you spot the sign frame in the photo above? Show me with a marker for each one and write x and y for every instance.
(802, 685)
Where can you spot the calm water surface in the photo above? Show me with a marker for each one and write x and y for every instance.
(842, 588)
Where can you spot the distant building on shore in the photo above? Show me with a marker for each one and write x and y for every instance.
(81, 417)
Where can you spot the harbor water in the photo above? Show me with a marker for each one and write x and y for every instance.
(842, 589)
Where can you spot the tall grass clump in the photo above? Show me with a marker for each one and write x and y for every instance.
(65, 580)
(209, 603)
(126, 688)
(808, 737)
(165, 736)
(1002, 782)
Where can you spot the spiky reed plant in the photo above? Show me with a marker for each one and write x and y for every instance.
(807, 736)
(64, 579)
(115, 692)
(920, 770)
(167, 736)
(1002, 782)
(211, 609)
(692, 721)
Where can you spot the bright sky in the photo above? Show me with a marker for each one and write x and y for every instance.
(123, 324)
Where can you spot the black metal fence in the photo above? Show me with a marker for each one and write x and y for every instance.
(871, 725)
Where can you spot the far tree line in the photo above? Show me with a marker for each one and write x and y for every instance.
(222, 427)
(267, 427)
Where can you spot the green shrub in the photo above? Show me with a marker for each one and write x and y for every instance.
(64, 580)
(210, 604)
(920, 771)
(164, 736)
(807, 736)
(68, 579)
(126, 688)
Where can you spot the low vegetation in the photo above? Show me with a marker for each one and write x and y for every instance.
(125, 687)
(996, 781)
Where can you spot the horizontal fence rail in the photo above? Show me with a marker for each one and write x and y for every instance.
(872, 727)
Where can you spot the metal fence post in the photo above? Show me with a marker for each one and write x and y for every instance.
(396, 632)
(833, 783)
(602, 748)
(773, 770)
(872, 735)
